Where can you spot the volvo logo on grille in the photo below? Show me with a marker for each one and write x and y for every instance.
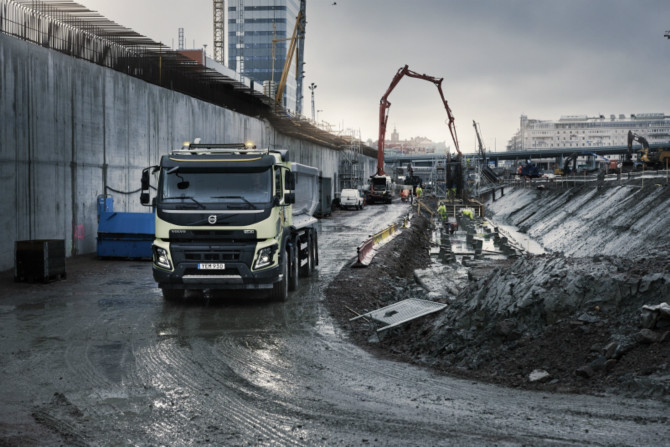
(212, 219)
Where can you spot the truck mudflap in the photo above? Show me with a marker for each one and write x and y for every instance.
(233, 276)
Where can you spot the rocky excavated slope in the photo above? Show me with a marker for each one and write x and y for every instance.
(582, 318)
(629, 220)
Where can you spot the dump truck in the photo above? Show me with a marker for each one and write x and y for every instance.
(232, 217)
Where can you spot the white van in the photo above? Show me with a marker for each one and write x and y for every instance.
(351, 198)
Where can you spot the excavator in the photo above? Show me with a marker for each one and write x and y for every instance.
(380, 183)
(652, 158)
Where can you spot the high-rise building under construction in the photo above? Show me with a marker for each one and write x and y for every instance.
(255, 37)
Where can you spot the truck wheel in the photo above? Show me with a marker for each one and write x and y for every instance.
(280, 289)
(314, 249)
(308, 268)
(173, 294)
(294, 268)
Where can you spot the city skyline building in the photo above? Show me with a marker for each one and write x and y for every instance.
(414, 145)
(253, 29)
(584, 132)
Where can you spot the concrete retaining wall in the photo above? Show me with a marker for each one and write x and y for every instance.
(69, 129)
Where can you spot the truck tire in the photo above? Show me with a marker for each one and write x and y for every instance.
(173, 294)
(308, 268)
(280, 289)
(294, 265)
(315, 248)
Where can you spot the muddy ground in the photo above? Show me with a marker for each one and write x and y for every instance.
(548, 322)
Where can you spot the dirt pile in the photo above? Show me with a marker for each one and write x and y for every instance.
(547, 322)
(579, 324)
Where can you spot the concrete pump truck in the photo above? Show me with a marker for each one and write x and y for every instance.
(229, 216)
(381, 187)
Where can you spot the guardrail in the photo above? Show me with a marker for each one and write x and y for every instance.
(559, 182)
(366, 251)
(419, 205)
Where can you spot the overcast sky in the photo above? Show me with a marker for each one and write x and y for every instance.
(499, 59)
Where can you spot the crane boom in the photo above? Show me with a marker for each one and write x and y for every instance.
(384, 105)
(479, 140)
(289, 55)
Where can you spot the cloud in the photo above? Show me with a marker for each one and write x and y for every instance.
(499, 59)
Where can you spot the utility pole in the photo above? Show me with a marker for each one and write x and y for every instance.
(312, 86)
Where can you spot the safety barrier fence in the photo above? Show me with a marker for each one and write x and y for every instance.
(65, 28)
(366, 251)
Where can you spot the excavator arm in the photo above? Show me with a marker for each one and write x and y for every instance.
(635, 137)
(384, 105)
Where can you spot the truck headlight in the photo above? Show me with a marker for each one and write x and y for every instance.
(161, 258)
(265, 256)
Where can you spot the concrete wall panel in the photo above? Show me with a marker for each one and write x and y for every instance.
(71, 131)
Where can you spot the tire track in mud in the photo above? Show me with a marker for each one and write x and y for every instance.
(197, 389)
(337, 395)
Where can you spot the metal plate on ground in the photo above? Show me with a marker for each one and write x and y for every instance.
(402, 312)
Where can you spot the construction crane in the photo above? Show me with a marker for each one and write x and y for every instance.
(298, 32)
(384, 105)
(219, 18)
(486, 172)
(479, 140)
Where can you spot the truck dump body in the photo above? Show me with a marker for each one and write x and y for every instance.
(306, 194)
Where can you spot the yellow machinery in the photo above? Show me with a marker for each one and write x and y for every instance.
(293, 46)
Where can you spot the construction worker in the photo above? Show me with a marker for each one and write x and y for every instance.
(419, 191)
(442, 210)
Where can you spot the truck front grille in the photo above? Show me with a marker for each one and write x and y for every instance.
(232, 256)
(217, 273)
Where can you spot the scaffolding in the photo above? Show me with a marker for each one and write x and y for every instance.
(351, 170)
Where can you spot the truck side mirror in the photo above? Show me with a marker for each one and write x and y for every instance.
(290, 181)
(145, 196)
(289, 198)
(145, 179)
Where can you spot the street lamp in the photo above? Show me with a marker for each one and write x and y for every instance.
(312, 86)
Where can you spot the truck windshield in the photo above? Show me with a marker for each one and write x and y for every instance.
(379, 184)
(208, 187)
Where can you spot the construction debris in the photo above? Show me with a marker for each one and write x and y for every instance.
(402, 312)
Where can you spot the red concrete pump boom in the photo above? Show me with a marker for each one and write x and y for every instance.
(384, 105)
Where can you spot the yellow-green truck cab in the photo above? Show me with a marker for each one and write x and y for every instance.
(231, 217)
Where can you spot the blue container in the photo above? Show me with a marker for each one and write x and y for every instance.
(124, 235)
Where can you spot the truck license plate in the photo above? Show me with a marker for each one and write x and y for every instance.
(212, 266)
